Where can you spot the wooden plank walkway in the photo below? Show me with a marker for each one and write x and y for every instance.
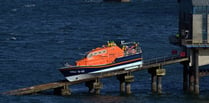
(62, 83)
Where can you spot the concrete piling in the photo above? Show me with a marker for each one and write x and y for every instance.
(159, 84)
(89, 84)
(156, 79)
(193, 72)
(64, 91)
(152, 71)
(128, 88)
(94, 86)
(196, 71)
(125, 82)
(185, 76)
(191, 80)
(121, 79)
(154, 83)
(122, 86)
(97, 85)
(128, 80)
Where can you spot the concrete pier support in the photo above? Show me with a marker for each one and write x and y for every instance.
(64, 91)
(156, 79)
(121, 79)
(196, 71)
(94, 86)
(154, 83)
(152, 71)
(159, 84)
(125, 83)
(128, 79)
(191, 80)
(185, 76)
(97, 86)
(122, 86)
(89, 84)
(128, 88)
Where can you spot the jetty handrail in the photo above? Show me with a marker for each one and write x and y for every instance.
(162, 59)
(190, 42)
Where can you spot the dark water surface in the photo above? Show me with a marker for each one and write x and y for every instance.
(39, 36)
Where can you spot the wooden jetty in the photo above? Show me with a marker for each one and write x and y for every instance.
(124, 76)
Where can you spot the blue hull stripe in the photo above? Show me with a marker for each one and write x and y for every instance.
(82, 70)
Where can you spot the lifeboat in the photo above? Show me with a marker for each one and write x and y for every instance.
(107, 58)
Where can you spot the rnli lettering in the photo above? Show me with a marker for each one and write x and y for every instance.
(77, 71)
(81, 71)
(73, 71)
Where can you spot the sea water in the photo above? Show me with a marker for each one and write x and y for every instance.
(38, 36)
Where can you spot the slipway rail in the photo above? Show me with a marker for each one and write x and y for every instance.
(61, 87)
(165, 60)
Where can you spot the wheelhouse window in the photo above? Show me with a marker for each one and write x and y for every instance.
(96, 53)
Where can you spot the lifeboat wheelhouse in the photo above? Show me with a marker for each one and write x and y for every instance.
(102, 55)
